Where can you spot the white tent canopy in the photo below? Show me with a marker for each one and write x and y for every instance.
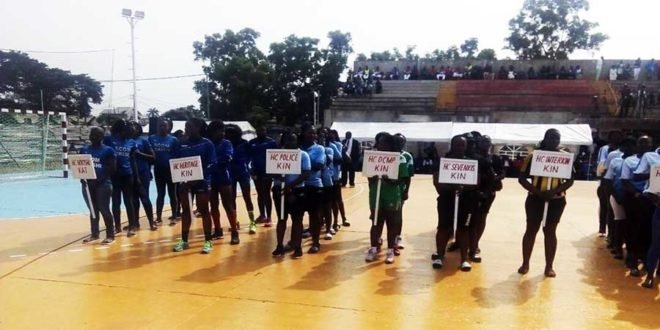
(248, 130)
(414, 132)
(500, 133)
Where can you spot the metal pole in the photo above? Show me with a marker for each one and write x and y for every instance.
(44, 140)
(208, 98)
(112, 77)
(131, 21)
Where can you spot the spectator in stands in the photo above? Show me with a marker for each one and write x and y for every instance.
(627, 72)
(395, 75)
(637, 68)
(432, 73)
(440, 75)
(424, 73)
(531, 73)
(512, 73)
(488, 72)
(578, 72)
(599, 67)
(571, 73)
(407, 74)
(614, 69)
(626, 101)
(619, 71)
(379, 86)
(563, 74)
(458, 74)
(502, 74)
(449, 73)
(657, 69)
(414, 75)
(650, 69)
(641, 98)
(377, 73)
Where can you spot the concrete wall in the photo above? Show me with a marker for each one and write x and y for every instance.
(588, 66)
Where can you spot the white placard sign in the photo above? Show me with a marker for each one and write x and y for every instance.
(552, 164)
(458, 171)
(654, 180)
(379, 163)
(283, 161)
(186, 169)
(82, 166)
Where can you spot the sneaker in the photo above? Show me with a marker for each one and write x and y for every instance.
(159, 222)
(180, 246)
(399, 243)
(117, 230)
(207, 247)
(346, 223)
(108, 241)
(287, 247)
(130, 233)
(306, 233)
(218, 234)
(332, 232)
(297, 253)
(261, 219)
(253, 228)
(390, 256)
(234, 238)
(475, 258)
(153, 227)
(268, 222)
(314, 249)
(634, 272)
(172, 222)
(328, 236)
(279, 251)
(436, 261)
(465, 266)
(335, 228)
(397, 252)
(90, 239)
(371, 254)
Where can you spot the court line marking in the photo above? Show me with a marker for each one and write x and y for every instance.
(18, 256)
(148, 242)
(101, 247)
(126, 245)
(75, 250)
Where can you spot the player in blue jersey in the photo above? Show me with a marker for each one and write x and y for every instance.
(194, 144)
(122, 179)
(100, 190)
(338, 205)
(164, 145)
(239, 171)
(143, 157)
(313, 184)
(328, 185)
(262, 181)
(221, 182)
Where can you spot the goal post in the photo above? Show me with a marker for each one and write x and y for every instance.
(33, 143)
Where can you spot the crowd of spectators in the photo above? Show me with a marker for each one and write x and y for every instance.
(635, 103)
(363, 82)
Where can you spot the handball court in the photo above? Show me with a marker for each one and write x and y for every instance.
(50, 280)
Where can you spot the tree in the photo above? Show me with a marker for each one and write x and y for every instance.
(153, 113)
(385, 55)
(487, 54)
(335, 58)
(184, 113)
(23, 79)
(469, 48)
(552, 29)
(361, 57)
(410, 55)
(239, 75)
(296, 63)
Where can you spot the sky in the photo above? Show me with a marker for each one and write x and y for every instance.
(164, 38)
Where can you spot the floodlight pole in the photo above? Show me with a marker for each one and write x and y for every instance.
(131, 22)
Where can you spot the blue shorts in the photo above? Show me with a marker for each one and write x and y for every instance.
(221, 179)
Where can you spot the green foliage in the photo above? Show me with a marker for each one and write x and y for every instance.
(552, 29)
(184, 113)
(22, 80)
(487, 54)
(7, 119)
(469, 48)
(361, 57)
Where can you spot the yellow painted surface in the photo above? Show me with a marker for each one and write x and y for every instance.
(139, 283)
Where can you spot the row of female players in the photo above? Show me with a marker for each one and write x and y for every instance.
(123, 162)
(122, 165)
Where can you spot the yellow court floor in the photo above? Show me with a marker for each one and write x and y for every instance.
(50, 280)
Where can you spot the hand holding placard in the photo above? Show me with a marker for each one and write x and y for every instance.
(459, 172)
(551, 164)
(82, 167)
(283, 161)
(654, 180)
(380, 164)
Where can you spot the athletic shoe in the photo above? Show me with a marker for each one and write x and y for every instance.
(297, 254)
(336, 227)
(268, 222)
(180, 246)
(253, 228)
(346, 223)
(475, 258)
(371, 254)
(287, 247)
(197, 214)
(234, 237)
(159, 222)
(390, 256)
(108, 241)
(90, 239)
(153, 227)
(218, 234)
(117, 230)
(397, 252)
(453, 246)
(173, 217)
(172, 222)
(279, 251)
(399, 243)
(436, 261)
(306, 233)
(314, 249)
(634, 272)
(328, 236)
(130, 233)
(352, 185)
(207, 247)
(238, 225)
(333, 232)
(465, 266)
(260, 219)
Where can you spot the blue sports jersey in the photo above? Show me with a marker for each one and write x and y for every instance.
(164, 148)
(201, 147)
(239, 168)
(143, 165)
(336, 160)
(327, 172)
(318, 160)
(100, 156)
(123, 149)
(224, 152)
(305, 165)
(258, 147)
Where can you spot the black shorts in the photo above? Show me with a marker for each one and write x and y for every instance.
(467, 204)
(329, 194)
(534, 209)
(313, 198)
(295, 202)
